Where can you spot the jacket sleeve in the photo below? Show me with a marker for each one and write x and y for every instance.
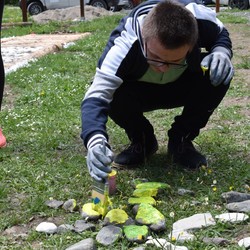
(108, 77)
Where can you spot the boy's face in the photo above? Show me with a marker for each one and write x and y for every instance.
(161, 59)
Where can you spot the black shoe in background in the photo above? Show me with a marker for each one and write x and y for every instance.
(185, 154)
(136, 153)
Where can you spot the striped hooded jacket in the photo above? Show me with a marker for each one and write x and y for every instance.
(123, 61)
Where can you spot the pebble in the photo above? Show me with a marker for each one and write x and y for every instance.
(86, 244)
(139, 200)
(234, 196)
(164, 244)
(196, 221)
(232, 217)
(70, 205)
(54, 203)
(136, 233)
(47, 227)
(88, 212)
(108, 235)
(82, 225)
(181, 236)
(148, 215)
(245, 242)
(64, 228)
(182, 191)
(216, 241)
(116, 217)
(243, 206)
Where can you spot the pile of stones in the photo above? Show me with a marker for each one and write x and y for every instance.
(147, 218)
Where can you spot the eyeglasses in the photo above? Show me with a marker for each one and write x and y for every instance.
(158, 63)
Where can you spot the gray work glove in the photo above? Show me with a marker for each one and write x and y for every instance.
(219, 65)
(99, 157)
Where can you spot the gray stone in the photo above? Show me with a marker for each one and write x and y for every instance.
(164, 244)
(47, 227)
(232, 217)
(181, 236)
(81, 225)
(243, 206)
(233, 196)
(216, 241)
(108, 235)
(65, 228)
(54, 203)
(245, 242)
(196, 221)
(182, 191)
(86, 244)
(70, 205)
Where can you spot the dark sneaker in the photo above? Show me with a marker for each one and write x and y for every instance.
(185, 154)
(136, 153)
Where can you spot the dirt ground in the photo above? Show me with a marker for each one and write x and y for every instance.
(18, 51)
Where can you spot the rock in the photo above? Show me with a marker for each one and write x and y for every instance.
(47, 227)
(145, 192)
(164, 244)
(243, 206)
(216, 241)
(86, 244)
(195, 203)
(116, 217)
(135, 200)
(182, 191)
(136, 233)
(245, 242)
(233, 196)
(64, 228)
(232, 217)
(181, 236)
(54, 203)
(154, 185)
(81, 225)
(137, 181)
(70, 205)
(148, 215)
(196, 221)
(108, 235)
(88, 212)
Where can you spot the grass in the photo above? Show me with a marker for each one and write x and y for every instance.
(45, 156)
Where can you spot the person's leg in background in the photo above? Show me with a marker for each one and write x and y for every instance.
(2, 76)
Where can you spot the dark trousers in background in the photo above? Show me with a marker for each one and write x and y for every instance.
(192, 91)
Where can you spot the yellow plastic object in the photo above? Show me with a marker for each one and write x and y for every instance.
(204, 69)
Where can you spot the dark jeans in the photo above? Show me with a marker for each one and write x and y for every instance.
(192, 91)
(1, 60)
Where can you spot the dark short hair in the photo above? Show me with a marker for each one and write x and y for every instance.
(172, 24)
